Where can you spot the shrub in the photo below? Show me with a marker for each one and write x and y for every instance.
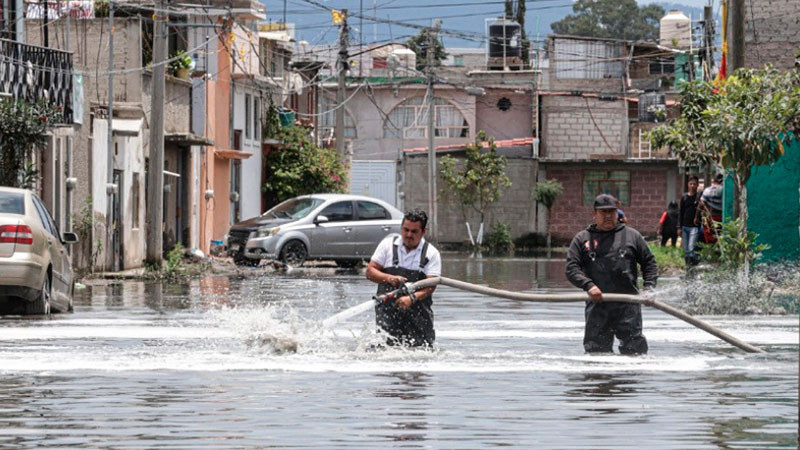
(531, 240)
(732, 250)
(668, 257)
(498, 241)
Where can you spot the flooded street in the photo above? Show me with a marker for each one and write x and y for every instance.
(232, 363)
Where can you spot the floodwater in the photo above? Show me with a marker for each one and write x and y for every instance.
(234, 363)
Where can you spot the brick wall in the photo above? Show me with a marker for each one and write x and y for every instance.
(568, 131)
(772, 32)
(648, 189)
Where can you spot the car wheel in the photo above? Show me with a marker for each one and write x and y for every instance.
(42, 303)
(347, 263)
(294, 253)
(240, 260)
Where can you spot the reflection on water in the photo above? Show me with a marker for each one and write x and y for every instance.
(204, 364)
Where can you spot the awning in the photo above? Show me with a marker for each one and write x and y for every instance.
(231, 154)
(187, 139)
(126, 127)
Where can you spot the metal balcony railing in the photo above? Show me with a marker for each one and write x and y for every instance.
(32, 73)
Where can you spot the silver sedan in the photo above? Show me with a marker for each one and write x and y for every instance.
(339, 227)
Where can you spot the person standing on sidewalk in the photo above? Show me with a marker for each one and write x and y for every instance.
(690, 225)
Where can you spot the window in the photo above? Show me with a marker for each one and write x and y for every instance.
(458, 61)
(247, 124)
(135, 200)
(338, 212)
(372, 211)
(409, 120)
(379, 62)
(12, 203)
(614, 182)
(328, 119)
(662, 68)
(44, 216)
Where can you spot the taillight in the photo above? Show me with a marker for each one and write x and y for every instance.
(16, 234)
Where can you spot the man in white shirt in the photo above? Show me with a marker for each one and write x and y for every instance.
(408, 258)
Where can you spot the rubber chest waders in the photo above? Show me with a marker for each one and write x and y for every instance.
(413, 326)
(604, 320)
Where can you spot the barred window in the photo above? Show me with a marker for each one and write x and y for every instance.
(409, 120)
(614, 182)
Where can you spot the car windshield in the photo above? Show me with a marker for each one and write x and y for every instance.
(295, 208)
(12, 203)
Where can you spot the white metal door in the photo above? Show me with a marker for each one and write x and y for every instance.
(377, 179)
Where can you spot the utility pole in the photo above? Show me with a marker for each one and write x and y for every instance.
(340, 92)
(432, 207)
(110, 188)
(708, 41)
(360, 37)
(155, 173)
(736, 35)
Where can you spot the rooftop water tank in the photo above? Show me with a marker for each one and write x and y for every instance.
(676, 30)
(505, 38)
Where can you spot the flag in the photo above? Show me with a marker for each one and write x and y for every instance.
(337, 16)
(723, 63)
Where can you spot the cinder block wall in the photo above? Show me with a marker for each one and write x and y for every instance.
(772, 32)
(569, 131)
(515, 207)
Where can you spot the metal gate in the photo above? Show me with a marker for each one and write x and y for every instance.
(376, 179)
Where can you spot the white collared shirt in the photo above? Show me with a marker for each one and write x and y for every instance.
(408, 259)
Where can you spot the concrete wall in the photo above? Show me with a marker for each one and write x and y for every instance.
(516, 122)
(515, 207)
(649, 185)
(178, 100)
(250, 193)
(772, 32)
(577, 127)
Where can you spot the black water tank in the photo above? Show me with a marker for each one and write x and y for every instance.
(650, 103)
(505, 33)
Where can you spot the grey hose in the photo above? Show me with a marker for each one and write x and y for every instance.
(565, 298)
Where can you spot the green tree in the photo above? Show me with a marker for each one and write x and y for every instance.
(616, 19)
(299, 167)
(478, 181)
(419, 45)
(23, 130)
(744, 123)
(546, 192)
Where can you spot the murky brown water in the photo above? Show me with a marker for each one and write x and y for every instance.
(196, 365)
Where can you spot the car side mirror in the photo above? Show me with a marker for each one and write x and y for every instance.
(321, 219)
(69, 238)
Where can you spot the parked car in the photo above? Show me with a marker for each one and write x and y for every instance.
(339, 227)
(35, 268)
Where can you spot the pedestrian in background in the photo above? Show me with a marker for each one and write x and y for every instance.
(668, 225)
(709, 210)
(690, 225)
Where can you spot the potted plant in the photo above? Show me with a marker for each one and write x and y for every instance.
(181, 65)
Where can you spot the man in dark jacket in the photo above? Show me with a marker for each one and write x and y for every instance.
(690, 225)
(604, 258)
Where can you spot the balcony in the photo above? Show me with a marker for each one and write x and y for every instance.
(30, 73)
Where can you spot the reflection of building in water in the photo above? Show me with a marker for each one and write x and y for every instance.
(406, 418)
(600, 388)
(213, 291)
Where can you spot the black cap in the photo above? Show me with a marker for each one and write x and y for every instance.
(605, 201)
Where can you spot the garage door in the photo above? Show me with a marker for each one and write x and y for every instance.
(375, 179)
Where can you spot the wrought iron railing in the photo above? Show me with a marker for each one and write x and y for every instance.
(32, 73)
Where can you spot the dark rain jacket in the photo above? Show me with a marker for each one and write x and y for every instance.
(608, 260)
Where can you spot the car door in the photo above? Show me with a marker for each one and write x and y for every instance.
(374, 223)
(57, 251)
(333, 239)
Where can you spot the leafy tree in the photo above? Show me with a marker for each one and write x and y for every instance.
(616, 19)
(741, 125)
(299, 167)
(478, 182)
(23, 130)
(546, 192)
(419, 45)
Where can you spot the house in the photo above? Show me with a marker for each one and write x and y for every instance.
(111, 172)
(598, 100)
(32, 73)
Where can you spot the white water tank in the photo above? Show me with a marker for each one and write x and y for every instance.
(676, 30)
